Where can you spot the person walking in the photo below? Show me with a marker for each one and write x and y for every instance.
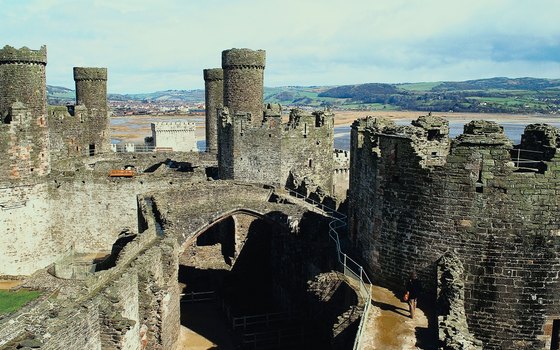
(412, 290)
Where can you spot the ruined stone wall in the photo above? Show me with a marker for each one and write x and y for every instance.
(69, 134)
(412, 206)
(134, 305)
(83, 211)
(214, 98)
(26, 244)
(307, 146)
(23, 125)
(273, 152)
(341, 176)
(257, 151)
(226, 141)
(243, 82)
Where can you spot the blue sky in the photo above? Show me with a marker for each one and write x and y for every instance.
(165, 44)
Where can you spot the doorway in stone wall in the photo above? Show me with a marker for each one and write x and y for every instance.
(555, 340)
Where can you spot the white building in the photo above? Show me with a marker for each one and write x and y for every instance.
(180, 136)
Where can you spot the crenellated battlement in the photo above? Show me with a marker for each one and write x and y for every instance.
(10, 55)
(243, 59)
(173, 126)
(213, 74)
(90, 73)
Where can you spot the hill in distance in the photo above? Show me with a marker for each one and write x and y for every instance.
(494, 95)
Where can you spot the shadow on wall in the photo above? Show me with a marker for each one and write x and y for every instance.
(124, 238)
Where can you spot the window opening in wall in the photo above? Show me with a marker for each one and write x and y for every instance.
(555, 341)
(434, 154)
(479, 187)
(433, 135)
(310, 162)
(91, 149)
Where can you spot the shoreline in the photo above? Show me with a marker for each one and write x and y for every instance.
(134, 128)
(346, 118)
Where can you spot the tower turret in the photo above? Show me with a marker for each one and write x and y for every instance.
(91, 91)
(91, 87)
(243, 82)
(24, 139)
(22, 79)
(214, 96)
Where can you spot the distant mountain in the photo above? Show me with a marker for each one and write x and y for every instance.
(57, 95)
(532, 84)
(167, 95)
(494, 95)
(363, 92)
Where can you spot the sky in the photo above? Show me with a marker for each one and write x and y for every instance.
(158, 45)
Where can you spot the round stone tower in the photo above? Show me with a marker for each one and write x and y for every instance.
(23, 113)
(22, 79)
(243, 81)
(214, 84)
(91, 87)
(91, 91)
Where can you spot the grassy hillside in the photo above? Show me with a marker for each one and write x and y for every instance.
(495, 95)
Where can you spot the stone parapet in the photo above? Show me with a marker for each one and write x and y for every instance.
(213, 74)
(243, 58)
(90, 73)
(173, 126)
(9, 54)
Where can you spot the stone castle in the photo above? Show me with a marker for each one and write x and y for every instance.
(475, 217)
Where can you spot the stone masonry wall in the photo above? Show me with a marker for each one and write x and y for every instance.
(91, 92)
(134, 305)
(82, 211)
(23, 124)
(214, 98)
(257, 151)
(22, 79)
(26, 243)
(501, 222)
(453, 331)
(307, 146)
(243, 82)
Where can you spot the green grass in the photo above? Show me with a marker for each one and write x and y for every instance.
(12, 301)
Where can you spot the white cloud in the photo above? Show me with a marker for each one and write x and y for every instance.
(149, 45)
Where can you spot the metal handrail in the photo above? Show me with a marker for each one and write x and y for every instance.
(517, 161)
(198, 296)
(250, 320)
(338, 221)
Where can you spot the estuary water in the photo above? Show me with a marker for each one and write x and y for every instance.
(512, 130)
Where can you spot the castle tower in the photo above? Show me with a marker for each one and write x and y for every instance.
(23, 105)
(91, 87)
(243, 82)
(214, 96)
(91, 91)
(22, 79)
